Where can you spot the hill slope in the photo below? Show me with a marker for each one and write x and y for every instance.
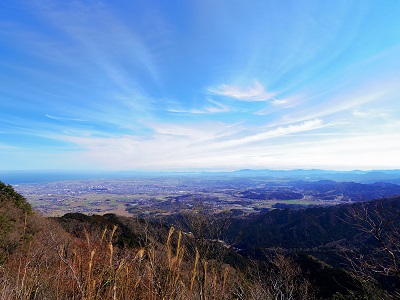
(305, 228)
(15, 219)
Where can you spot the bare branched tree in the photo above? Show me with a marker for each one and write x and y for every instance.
(380, 259)
(278, 278)
(203, 231)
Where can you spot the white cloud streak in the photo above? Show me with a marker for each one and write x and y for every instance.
(277, 132)
(253, 93)
(64, 119)
(217, 107)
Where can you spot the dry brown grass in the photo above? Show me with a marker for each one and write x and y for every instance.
(57, 265)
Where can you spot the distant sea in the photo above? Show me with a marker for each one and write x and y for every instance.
(20, 177)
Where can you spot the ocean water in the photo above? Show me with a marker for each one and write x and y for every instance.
(20, 177)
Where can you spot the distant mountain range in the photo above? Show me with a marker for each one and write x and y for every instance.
(392, 176)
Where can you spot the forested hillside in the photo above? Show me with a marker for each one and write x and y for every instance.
(15, 220)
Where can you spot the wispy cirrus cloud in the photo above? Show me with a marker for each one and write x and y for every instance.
(101, 82)
(253, 93)
(277, 132)
(215, 107)
(370, 113)
(193, 146)
(278, 101)
(64, 119)
(90, 28)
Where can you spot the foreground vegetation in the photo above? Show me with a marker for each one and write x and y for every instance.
(111, 257)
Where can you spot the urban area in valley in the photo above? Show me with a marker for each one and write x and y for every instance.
(155, 196)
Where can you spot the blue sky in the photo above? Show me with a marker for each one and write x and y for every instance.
(199, 85)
